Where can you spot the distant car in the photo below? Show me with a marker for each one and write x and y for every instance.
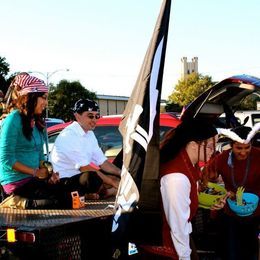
(248, 118)
(245, 117)
(108, 135)
(53, 121)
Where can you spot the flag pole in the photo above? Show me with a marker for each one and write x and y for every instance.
(140, 130)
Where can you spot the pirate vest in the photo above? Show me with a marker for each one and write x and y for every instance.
(180, 164)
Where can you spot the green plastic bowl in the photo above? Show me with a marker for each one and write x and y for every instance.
(207, 200)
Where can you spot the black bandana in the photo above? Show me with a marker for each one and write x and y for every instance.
(83, 105)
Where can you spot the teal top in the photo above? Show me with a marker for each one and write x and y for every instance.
(14, 147)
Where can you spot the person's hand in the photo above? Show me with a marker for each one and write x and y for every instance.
(55, 178)
(42, 173)
(203, 184)
(232, 195)
(47, 165)
(221, 203)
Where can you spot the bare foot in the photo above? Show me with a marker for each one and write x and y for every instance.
(109, 192)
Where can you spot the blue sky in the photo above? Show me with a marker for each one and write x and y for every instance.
(103, 42)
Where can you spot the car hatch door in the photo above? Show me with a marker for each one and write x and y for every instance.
(223, 97)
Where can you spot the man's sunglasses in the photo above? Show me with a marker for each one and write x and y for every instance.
(90, 116)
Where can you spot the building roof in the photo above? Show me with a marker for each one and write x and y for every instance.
(110, 97)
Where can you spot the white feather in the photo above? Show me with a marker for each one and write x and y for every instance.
(230, 134)
(252, 133)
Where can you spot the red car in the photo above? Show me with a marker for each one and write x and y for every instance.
(108, 135)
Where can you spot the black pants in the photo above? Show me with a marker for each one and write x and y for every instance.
(41, 194)
(91, 183)
(239, 237)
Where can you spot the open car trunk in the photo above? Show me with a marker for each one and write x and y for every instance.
(224, 97)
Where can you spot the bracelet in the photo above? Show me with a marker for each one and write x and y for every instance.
(35, 171)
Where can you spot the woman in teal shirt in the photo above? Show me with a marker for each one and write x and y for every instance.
(22, 139)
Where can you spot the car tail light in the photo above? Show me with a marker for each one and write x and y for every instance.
(27, 237)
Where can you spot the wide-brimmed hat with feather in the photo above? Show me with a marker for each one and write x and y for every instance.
(241, 134)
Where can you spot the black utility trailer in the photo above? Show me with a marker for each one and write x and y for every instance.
(57, 234)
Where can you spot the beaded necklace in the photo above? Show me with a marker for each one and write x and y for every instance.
(231, 164)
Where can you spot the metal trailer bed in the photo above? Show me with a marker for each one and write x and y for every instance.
(58, 234)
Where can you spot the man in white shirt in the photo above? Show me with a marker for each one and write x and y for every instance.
(76, 148)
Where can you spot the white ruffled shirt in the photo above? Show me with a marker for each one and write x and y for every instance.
(175, 191)
(74, 148)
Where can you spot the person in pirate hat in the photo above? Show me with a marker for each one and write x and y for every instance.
(181, 151)
(239, 167)
(76, 148)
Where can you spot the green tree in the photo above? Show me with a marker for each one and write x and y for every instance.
(63, 97)
(4, 67)
(4, 70)
(190, 88)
